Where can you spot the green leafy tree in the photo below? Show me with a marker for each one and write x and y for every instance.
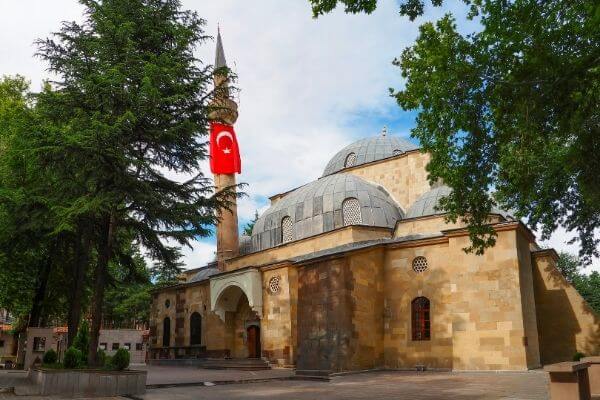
(250, 225)
(129, 105)
(82, 340)
(511, 107)
(588, 286)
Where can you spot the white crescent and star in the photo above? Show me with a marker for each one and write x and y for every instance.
(222, 134)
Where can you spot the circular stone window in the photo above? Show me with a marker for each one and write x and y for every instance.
(274, 284)
(167, 303)
(419, 264)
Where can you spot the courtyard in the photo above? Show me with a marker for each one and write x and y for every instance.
(183, 383)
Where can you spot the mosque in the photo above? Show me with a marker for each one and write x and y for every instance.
(359, 270)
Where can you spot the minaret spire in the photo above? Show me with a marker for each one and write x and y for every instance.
(220, 61)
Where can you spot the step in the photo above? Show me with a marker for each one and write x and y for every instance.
(235, 363)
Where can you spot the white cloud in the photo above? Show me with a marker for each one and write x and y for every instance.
(308, 87)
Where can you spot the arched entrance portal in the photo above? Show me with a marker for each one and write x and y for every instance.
(242, 324)
(253, 341)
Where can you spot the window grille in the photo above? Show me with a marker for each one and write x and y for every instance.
(274, 284)
(350, 160)
(286, 230)
(419, 264)
(351, 212)
(421, 322)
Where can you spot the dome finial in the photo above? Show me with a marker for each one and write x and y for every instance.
(384, 131)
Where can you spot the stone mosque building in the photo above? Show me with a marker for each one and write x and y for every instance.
(359, 270)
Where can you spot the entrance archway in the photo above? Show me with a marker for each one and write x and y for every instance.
(242, 323)
(253, 341)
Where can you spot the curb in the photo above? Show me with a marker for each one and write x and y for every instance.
(237, 381)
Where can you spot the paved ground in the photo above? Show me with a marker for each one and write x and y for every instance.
(377, 385)
(371, 385)
(177, 375)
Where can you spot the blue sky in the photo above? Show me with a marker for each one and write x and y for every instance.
(308, 87)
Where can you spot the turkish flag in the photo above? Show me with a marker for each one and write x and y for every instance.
(224, 150)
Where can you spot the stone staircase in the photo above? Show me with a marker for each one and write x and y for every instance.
(244, 364)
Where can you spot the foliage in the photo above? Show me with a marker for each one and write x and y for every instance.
(120, 360)
(50, 357)
(250, 225)
(568, 265)
(588, 286)
(128, 111)
(410, 8)
(578, 356)
(82, 340)
(511, 107)
(102, 358)
(72, 358)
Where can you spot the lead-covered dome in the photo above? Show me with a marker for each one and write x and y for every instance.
(429, 204)
(328, 203)
(368, 150)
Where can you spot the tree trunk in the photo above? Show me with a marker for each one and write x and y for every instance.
(104, 255)
(40, 291)
(80, 265)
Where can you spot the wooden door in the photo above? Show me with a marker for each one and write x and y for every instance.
(253, 341)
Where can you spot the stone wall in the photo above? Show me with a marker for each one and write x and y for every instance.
(404, 177)
(278, 325)
(183, 301)
(347, 234)
(477, 307)
(566, 323)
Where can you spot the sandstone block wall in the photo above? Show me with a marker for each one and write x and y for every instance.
(278, 324)
(476, 307)
(404, 177)
(566, 323)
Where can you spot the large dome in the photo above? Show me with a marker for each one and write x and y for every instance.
(317, 207)
(368, 150)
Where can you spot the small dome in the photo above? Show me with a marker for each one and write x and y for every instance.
(204, 273)
(323, 205)
(368, 150)
(428, 202)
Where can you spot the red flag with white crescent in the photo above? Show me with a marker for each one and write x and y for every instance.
(224, 150)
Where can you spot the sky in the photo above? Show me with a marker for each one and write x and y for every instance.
(308, 87)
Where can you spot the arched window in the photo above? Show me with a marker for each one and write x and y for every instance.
(351, 211)
(286, 230)
(195, 329)
(350, 160)
(421, 322)
(167, 332)
(396, 152)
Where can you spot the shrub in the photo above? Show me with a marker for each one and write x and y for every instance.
(120, 360)
(101, 358)
(82, 340)
(73, 358)
(578, 356)
(50, 357)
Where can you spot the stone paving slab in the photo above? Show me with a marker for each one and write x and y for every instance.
(378, 385)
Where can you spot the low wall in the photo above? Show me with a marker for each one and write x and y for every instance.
(46, 382)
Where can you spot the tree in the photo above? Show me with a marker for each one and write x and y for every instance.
(130, 104)
(512, 107)
(588, 286)
(250, 225)
(569, 266)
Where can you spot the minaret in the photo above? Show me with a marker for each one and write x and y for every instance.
(225, 112)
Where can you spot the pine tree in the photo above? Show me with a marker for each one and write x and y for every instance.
(128, 111)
